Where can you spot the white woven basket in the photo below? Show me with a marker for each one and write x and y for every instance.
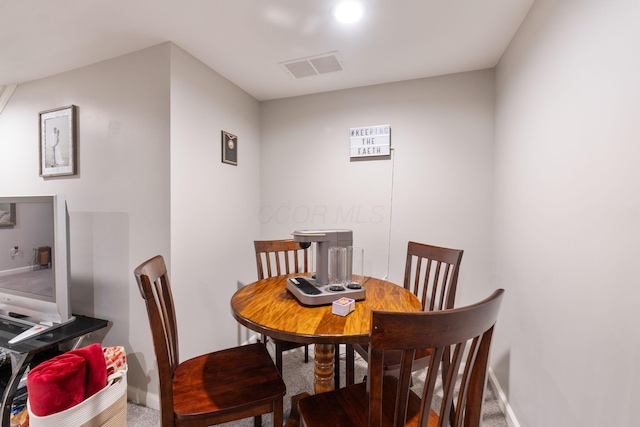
(106, 408)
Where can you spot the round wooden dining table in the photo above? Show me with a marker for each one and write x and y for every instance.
(267, 307)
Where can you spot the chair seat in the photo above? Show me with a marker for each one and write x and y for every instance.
(392, 358)
(350, 407)
(244, 377)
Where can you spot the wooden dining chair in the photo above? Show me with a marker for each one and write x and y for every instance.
(388, 400)
(213, 388)
(431, 273)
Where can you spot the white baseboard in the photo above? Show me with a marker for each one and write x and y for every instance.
(150, 400)
(502, 401)
(16, 271)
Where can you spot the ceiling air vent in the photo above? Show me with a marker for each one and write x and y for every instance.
(313, 65)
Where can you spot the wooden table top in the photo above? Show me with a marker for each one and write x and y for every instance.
(267, 307)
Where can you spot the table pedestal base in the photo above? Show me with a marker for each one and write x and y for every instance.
(324, 368)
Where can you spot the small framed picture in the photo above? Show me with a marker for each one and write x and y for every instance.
(58, 142)
(229, 148)
(7, 214)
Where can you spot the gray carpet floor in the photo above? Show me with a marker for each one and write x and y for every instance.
(38, 282)
(298, 377)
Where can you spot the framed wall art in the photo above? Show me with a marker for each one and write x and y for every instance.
(229, 148)
(58, 142)
(7, 214)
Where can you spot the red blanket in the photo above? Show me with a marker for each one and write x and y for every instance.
(96, 368)
(66, 380)
(57, 384)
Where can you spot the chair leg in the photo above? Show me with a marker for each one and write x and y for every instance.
(306, 354)
(294, 417)
(279, 358)
(257, 421)
(350, 364)
(278, 417)
(446, 365)
(336, 367)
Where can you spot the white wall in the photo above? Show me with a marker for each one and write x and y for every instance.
(437, 189)
(562, 240)
(119, 200)
(213, 204)
(567, 214)
(150, 182)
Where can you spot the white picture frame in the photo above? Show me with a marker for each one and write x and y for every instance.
(58, 142)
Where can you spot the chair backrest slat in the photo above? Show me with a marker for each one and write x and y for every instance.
(433, 277)
(286, 255)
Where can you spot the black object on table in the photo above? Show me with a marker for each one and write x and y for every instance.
(35, 350)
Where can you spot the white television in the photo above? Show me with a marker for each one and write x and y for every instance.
(34, 260)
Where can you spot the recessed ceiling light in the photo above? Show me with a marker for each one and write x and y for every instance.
(348, 11)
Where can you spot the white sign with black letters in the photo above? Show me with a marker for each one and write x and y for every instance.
(370, 141)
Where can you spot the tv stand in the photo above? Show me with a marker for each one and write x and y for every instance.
(37, 349)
